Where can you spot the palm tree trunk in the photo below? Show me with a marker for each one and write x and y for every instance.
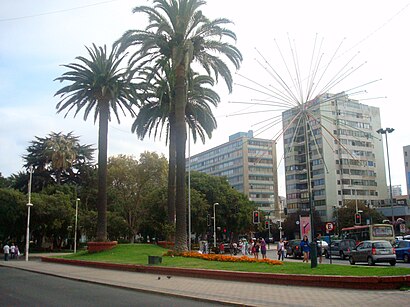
(180, 131)
(102, 172)
(171, 169)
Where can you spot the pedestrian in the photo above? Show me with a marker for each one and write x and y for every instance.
(17, 252)
(235, 248)
(12, 251)
(263, 248)
(257, 247)
(243, 247)
(6, 251)
(222, 248)
(281, 249)
(253, 248)
(319, 247)
(305, 248)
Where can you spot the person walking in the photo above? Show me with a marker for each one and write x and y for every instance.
(319, 247)
(257, 248)
(281, 249)
(6, 251)
(17, 252)
(263, 248)
(12, 251)
(305, 248)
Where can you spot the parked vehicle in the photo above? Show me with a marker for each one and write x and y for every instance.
(293, 249)
(403, 250)
(372, 252)
(332, 249)
(341, 248)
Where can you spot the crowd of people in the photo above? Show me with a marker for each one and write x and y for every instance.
(257, 248)
(11, 252)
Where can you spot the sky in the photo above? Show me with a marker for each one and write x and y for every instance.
(369, 37)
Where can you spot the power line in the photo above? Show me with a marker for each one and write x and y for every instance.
(57, 11)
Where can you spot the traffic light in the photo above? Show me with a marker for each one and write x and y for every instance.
(208, 220)
(357, 218)
(285, 211)
(267, 225)
(256, 217)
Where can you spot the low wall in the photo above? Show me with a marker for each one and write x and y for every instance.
(350, 282)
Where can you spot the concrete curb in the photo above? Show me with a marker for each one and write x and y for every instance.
(348, 282)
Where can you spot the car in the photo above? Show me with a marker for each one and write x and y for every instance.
(332, 249)
(403, 250)
(372, 252)
(341, 248)
(293, 249)
(323, 244)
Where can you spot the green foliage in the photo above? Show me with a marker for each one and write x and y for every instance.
(131, 183)
(57, 158)
(12, 214)
(234, 211)
(345, 214)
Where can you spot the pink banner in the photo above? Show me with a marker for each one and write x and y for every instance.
(305, 227)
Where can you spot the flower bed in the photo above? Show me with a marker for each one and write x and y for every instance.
(224, 258)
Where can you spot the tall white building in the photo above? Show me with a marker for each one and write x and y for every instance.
(395, 190)
(406, 155)
(345, 153)
(249, 165)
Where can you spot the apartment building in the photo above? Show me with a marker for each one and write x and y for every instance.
(345, 153)
(248, 163)
(406, 155)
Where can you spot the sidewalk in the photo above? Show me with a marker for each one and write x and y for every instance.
(218, 291)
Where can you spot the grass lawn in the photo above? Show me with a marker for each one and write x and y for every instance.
(138, 254)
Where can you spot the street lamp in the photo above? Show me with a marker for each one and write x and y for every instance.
(385, 132)
(29, 205)
(215, 204)
(75, 225)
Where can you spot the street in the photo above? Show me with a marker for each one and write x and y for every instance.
(22, 288)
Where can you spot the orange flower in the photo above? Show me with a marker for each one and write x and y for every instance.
(225, 258)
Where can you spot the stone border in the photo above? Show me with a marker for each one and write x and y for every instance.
(348, 282)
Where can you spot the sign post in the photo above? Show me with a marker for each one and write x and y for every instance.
(329, 228)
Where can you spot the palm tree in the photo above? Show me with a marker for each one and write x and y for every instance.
(99, 84)
(58, 157)
(179, 32)
(157, 113)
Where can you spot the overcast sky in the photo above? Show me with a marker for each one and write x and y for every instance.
(36, 37)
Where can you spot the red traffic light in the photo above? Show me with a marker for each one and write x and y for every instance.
(357, 218)
(256, 217)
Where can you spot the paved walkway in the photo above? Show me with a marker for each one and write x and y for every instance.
(237, 293)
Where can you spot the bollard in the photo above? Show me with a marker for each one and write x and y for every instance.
(313, 255)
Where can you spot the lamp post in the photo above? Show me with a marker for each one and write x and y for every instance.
(75, 225)
(29, 205)
(385, 132)
(215, 204)
(189, 191)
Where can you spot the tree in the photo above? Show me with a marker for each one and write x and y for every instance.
(180, 33)
(345, 214)
(157, 116)
(234, 211)
(130, 182)
(102, 85)
(57, 158)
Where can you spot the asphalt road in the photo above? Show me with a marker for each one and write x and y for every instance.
(22, 288)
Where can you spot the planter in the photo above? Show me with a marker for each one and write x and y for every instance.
(94, 247)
